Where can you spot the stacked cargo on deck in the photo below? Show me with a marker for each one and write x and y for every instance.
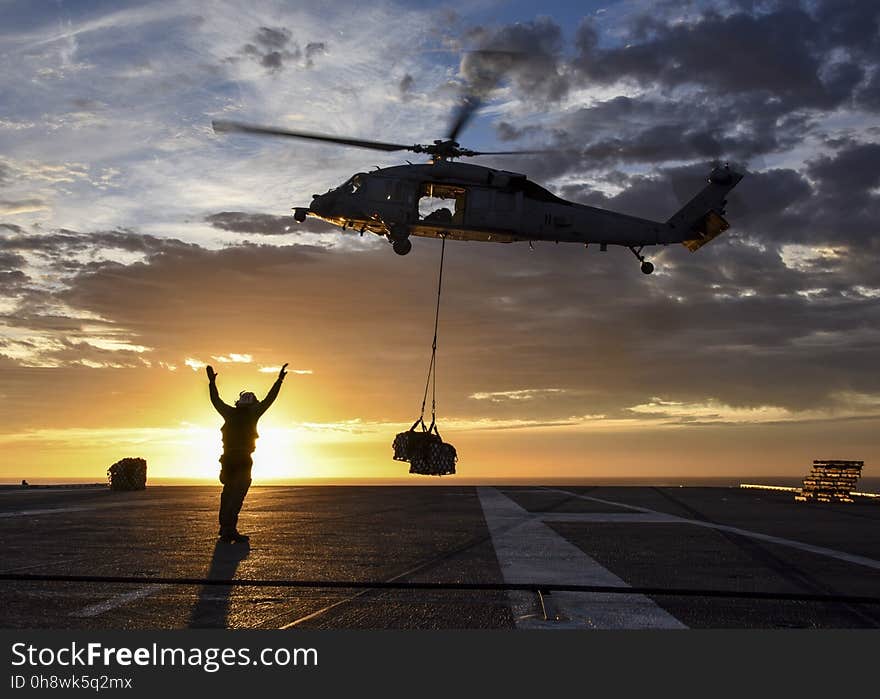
(830, 481)
(128, 474)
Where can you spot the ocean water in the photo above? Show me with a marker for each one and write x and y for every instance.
(870, 484)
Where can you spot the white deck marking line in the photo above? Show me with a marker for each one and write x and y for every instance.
(791, 543)
(118, 601)
(529, 551)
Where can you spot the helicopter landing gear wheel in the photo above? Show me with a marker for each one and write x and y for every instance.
(401, 246)
(646, 266)
(398, 236)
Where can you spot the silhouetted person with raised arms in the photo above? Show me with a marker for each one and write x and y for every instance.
(239, 441)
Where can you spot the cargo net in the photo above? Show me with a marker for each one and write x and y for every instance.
(424, 448)
(830, 481)
(128, 474)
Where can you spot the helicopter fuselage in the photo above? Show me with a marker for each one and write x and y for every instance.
(461, 201)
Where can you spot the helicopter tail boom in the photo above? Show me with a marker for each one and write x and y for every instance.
(702, 218)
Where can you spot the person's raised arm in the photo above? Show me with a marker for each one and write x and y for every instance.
(273, 392)
(218, 404)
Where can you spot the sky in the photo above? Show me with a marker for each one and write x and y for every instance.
(137, 246)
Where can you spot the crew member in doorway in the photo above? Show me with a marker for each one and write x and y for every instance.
(239, 441)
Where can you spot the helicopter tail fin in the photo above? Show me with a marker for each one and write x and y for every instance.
(702, 218)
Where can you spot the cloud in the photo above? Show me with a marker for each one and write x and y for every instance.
(233, 358)
(406, 84)
(784, 54)
(273, 49)
(20, 206)
(727, 322)
(276, 369)
(775, 320)
(62, 244)
(845, 405)
(314, 48)
(519, 395)
(10, 261)
(527, 54)
(265, 224)
(644, 91)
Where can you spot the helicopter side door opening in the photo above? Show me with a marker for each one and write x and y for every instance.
(441, 203)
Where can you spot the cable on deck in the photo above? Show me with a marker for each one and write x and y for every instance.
(442, 586)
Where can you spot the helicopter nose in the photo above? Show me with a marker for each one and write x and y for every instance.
(319, 203)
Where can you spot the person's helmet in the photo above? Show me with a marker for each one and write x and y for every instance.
(245, 398)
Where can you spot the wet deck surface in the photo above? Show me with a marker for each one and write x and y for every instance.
(698, 538)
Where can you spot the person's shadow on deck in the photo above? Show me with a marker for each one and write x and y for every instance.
(212, 607)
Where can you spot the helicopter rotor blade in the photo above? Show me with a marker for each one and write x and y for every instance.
(484, 68)
(222, 126)
(472, 153)
(463, 114)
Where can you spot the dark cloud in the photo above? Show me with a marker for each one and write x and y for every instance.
(726, 323)
(527, 54)
(63, 242)
(736, 86)
(9, 261)
(869, 96)
(406, 84)
(5, 173)
(272, 38)
(265, 224)
(851, 24)
(314, 48)
(853, 170)
(274, 49)
(508, 132)
(781, 54)
(12, 281)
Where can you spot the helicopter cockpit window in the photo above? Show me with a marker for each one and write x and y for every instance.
(351, 185)
(441, 203)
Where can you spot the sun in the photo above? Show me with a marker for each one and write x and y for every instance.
(278, 454)
(194, 453)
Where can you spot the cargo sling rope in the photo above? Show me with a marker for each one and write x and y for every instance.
(431, 380)
(425, 449)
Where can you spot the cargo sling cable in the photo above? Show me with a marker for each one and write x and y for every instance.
(424, 449)
(432, 366)
(448, 586)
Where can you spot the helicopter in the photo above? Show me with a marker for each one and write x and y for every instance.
(453, 200)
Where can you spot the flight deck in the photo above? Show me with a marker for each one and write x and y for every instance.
(438, 557)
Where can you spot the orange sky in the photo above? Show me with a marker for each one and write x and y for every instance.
(137, 245)
(521, 394)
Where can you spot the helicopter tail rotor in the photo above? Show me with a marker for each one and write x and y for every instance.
(702, 218)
